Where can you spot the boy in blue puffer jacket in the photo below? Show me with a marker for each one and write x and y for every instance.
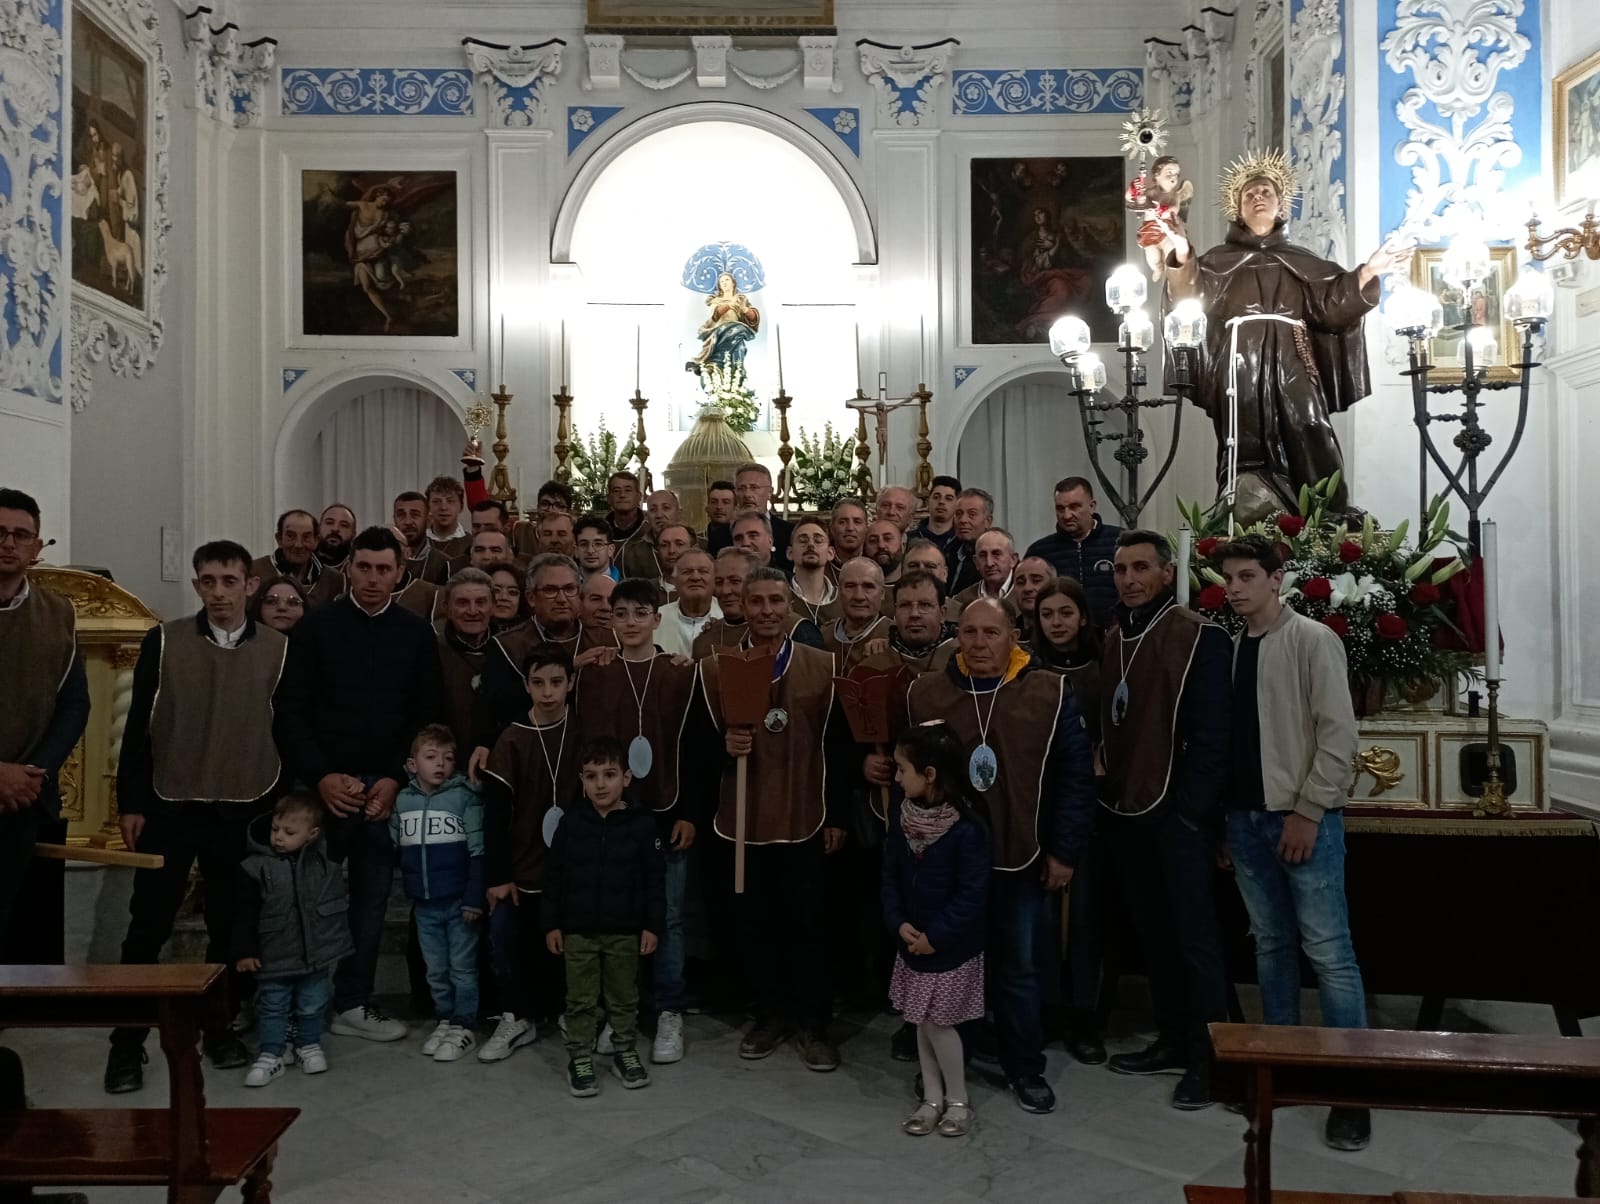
(437, 825)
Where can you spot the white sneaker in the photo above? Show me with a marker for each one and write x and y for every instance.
(604, 1044)
(668, 1045)
(457, 1043)
(435, 1039)
(367, 1023)
(267, 1067)
(510, 1034)
(312, 1059)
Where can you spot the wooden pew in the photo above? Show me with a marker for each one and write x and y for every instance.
(1500, 1074)
(193, 1151)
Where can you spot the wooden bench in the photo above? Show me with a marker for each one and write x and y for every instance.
(1500, 1074)
(1197, 1193)
(194, 1151)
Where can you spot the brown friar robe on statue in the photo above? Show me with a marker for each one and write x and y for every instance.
(1021, 729)
(849, 651)
(786, 801)
(1139, 750)
(320, 583)
(629, 699)
(461, 669)
(537, 769)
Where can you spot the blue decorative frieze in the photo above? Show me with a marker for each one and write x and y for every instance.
(583, 120)
(467, 376)
(846, 123)
(701, 269)
(376, 92)
(1018, 91)
(962, 374)
(291, 377)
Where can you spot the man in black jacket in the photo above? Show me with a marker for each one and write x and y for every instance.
(604, 907)
(973, 516)
(362, 677)
(1165, 713)
(1083, 546)
(752, 486)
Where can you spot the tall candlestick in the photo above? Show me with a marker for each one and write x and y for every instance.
(1185, 551)
(563, 355)
(778, 331)
(638, 346)
(502, 351)
(1491, 602)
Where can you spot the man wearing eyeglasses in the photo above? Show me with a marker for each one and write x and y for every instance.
(46, 699)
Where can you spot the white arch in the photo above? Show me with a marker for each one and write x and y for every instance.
(1048, 369)
(320, 394)
(716, 110)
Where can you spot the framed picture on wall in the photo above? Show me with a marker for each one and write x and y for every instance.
(379, 254)
(1575, 111)
(1481, 308)
(1045, 235)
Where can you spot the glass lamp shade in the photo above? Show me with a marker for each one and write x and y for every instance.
(1069, 336)
(1465, 261)
(1186, 324)
(1137, 330)
(1485, 351)
(1411, 308)
(1531, 298)
(1090, 372)
(1126, 288)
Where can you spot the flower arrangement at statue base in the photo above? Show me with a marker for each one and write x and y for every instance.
(823, 469)
(593, 461)
(1378, 594)
(726, 388)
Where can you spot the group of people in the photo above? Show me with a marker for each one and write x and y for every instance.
(531, 722)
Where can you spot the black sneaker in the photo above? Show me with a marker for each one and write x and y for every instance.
(1193, 1091)
(903, 1045)
(1085, 1045)
(1159, 1058)
(1033, 1094)
(580, 1077)
(225, 1051)
(125, 1069)
(627, 1067)
(1348, 1129)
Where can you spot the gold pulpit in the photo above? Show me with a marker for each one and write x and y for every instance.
(111, 625)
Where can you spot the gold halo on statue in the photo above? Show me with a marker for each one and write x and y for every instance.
(1144, 134)
(476, 418)
(1262, 165)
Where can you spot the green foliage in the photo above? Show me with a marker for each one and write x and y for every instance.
(823, 469)
(593, 461)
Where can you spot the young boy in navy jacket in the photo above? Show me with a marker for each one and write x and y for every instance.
(437, 825)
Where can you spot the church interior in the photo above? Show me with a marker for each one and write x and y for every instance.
(266, 263)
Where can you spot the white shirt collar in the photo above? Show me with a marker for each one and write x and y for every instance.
(363, 610)
(22, 596)
(227, 639)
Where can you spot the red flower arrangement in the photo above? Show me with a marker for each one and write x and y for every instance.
(1291, 524)
(1212, 597)
(1350, 551)
(1207, 546)
(1318, 588)
(1425, 593)
(1391, 627)
(1338, 624)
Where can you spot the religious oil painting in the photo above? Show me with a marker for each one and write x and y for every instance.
(1045, 235)
(701, 16)
(110, 169)
(379, 254)
(1481, 308)
(1575, 110)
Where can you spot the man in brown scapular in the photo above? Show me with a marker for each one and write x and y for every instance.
(295, 557)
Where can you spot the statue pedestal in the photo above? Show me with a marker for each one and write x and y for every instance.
(1413, 759)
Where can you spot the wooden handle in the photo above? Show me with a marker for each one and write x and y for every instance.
(883, 791)
(741, 782)
(68, 852)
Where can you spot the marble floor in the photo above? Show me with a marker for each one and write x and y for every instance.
(386, 1126)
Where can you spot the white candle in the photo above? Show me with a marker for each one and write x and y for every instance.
(638, 346)
(502, 353)
(858, 357)
(563, 355)
(778, 331)
(922, 350)
(1185, 551)
(1491, 603)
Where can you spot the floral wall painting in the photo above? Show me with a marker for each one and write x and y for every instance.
(379, 254)
(110, 168)
(1575, 110)
(1045, 234)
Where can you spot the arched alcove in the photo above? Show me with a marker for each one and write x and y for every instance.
(677, 181)
(363, 436)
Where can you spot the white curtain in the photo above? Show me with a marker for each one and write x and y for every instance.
(383, 443)
(1022, 439)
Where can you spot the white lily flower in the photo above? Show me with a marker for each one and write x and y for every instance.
(1350, 593)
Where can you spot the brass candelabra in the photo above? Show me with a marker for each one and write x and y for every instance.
(563, 444)
(500, 487)
(781, 403)
(639, 402)
(924, 485)
(1568, 241)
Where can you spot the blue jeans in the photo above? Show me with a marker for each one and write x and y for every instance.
(450, 951)
(308, 996)
(1016, 917)
(669, 988)
(1294, 907)
(371, 860)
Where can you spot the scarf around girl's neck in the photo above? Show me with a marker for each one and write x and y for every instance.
(924, 825)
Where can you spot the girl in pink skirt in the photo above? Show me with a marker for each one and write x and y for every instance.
(935, 892)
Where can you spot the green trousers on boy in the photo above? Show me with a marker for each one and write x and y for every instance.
(601, 964)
